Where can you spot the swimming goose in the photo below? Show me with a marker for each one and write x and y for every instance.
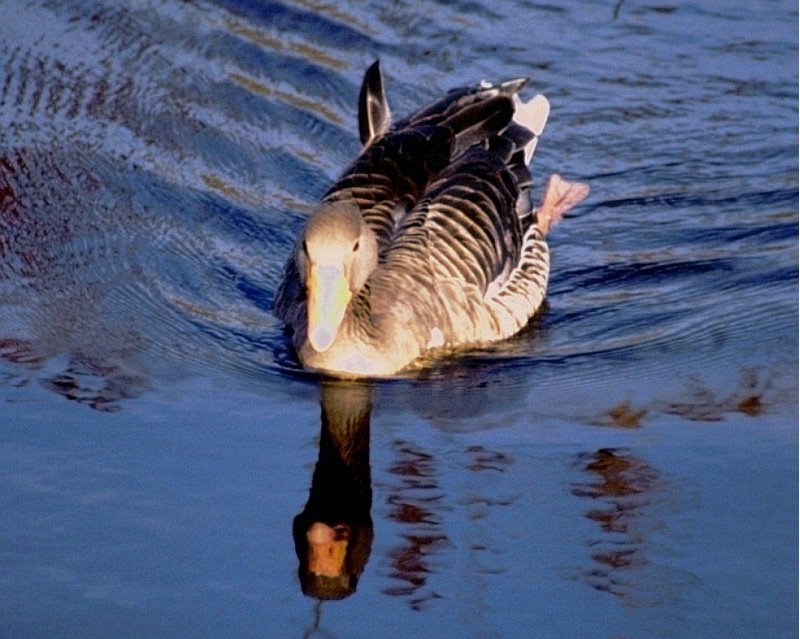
(428, 240)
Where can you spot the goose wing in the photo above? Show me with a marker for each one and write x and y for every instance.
(466, 227)
(445, 189)
(394, 174)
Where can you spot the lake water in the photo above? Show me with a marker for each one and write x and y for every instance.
(626, 467)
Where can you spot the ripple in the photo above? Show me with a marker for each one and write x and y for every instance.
(163, 162)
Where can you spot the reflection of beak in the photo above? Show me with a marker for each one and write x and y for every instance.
(327, 549)
(328, 296)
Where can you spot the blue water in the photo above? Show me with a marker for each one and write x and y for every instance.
(626, 467)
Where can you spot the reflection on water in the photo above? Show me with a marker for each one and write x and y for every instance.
(333, 534)
(626, 494)
(623, 486)
(99, 384)
(750, 398)
(623, 415)
(413, 497)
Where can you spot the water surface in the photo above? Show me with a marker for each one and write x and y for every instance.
(626, 467)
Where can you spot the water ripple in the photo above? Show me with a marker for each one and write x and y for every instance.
(158, 161)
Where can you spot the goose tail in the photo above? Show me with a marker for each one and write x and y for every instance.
(531, 116)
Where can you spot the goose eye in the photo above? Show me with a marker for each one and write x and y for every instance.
(355, 246)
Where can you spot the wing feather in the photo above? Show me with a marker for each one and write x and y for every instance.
(446, 192)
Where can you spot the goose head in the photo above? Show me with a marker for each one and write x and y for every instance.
(335, 256)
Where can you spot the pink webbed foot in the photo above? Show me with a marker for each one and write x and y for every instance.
(559, 197)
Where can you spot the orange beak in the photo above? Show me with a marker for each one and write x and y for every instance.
(328, 297)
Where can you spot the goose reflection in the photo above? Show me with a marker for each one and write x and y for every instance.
(625, 493)
(333, 535)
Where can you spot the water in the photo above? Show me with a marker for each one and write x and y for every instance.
(627, 467)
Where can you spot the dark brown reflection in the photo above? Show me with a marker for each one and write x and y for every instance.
(752, 397)
(83, 379)
(622, 487)
(413, 502)
(333, 534)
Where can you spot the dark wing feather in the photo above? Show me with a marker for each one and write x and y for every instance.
(374, 117)
(391, 176)
(472, 231)
(397, 168)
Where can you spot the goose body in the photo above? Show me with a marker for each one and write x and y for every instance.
(428, 240)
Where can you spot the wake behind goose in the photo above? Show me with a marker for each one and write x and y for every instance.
(429, 239)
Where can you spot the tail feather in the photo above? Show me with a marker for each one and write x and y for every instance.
(532, 116)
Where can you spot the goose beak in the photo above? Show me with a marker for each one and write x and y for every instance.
(327, 549)
(328, 297)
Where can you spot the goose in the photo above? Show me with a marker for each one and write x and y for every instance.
(428, 242)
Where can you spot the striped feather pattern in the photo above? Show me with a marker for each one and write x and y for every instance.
(460, 258)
